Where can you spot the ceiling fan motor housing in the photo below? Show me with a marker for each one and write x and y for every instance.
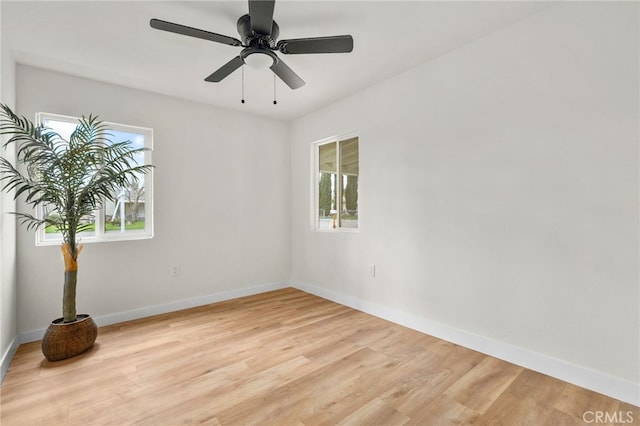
(251, 39)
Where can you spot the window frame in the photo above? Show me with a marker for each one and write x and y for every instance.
(315, 181)
(99, 235)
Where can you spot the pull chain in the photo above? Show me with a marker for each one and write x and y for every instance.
(274, 90)
(242, 100)
(275, 101)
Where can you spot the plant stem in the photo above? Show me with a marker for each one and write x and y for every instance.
(70, 280)
(69, 296)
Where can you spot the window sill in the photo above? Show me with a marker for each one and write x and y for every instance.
(337, 230)
(94, 239)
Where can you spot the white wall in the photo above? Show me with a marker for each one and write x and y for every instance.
(8, 343)
(498, 195)
(221, 206)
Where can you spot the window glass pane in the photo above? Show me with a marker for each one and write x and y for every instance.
(349, 169)
(64, 129)
(337, 184)
(130, 215)
(327, 158)
(51, 232)
(127, 212)
(327, 166)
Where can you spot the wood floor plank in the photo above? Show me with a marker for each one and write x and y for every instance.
(375, 412)
(320, 392)
(529, 399)
(484, 384)
(447, 364)
(283, 358)
(445, 411)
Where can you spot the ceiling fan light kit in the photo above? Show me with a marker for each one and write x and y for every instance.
(258, 59)
(258, 34)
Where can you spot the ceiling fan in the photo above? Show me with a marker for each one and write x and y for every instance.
(258, 33)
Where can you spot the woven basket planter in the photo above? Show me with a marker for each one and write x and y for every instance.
(65, 340)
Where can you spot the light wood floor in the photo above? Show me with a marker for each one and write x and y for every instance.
(284, 358)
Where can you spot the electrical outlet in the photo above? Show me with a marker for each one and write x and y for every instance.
(174, 271)
(372, 270)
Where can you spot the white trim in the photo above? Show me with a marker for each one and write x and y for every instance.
(585, 377)
(7, 357)
(118, 317)
(339, 230)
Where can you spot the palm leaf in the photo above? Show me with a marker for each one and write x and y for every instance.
(74, 177)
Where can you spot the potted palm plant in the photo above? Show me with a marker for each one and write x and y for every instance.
(73, 178)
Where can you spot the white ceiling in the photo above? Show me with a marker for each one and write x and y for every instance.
(111, 41)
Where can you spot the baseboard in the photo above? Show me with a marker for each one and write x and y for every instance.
(614, 387)
(102, 320)
(7, 357)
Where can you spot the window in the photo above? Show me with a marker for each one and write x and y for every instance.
(130, 217)
(336, 184)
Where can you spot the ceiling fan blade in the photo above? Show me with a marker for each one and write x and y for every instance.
(261, 12)
(225, 70)
(287, 75)
(193, 32)
(331, 44)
